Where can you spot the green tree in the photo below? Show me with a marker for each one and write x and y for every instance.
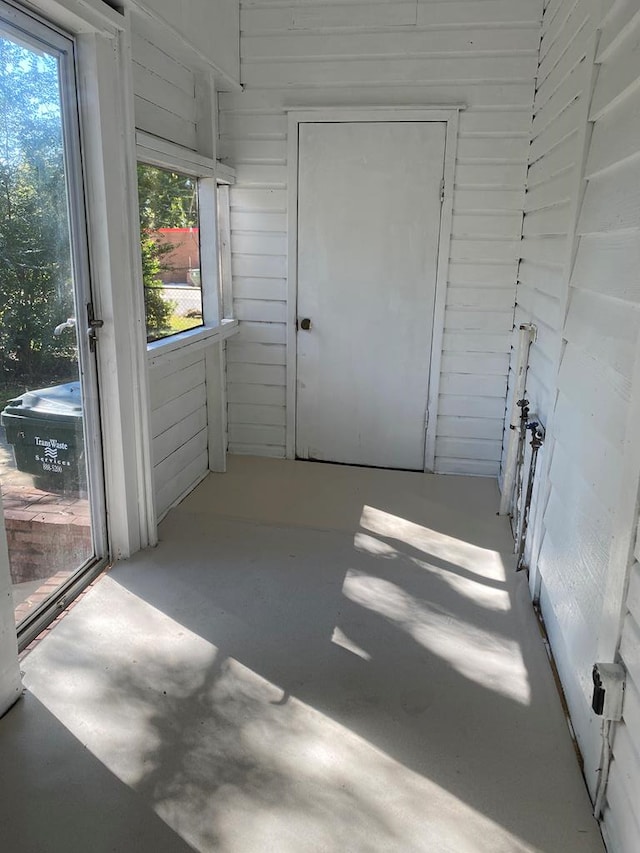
(36, 291)
(166, 200)
(158, 310)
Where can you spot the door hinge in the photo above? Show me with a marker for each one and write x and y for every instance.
(442, 191)
(93, 325)
(426, 421)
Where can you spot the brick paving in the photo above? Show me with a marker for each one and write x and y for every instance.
(49, 538)
(49, 535)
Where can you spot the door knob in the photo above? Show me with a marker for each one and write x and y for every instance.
(305, 324)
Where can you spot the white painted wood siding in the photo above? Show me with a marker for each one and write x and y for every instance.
(568, 529)
(164, 92)
(483, 54)
(607, 288)
(578, 282)
(209, 26)
(178, 426)
(622, 807)
(553, 177)
(558, 136)
(166, 106)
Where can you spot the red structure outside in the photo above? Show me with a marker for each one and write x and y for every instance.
(184, 257)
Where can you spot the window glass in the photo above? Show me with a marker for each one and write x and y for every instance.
(170, 245)
(45, 395)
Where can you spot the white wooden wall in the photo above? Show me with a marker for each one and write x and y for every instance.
(622, 807)
(164, 91)
(482, 54)
(178, 426)
(209, 26)
(578, 282)
(554, 175)
(166, 106)
(568, 369)
(169, 96)
(562, 92)
(607, 312)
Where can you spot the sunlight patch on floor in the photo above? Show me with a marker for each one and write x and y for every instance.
(480, 561)
(345, 794)
(228, 759)
(474, 588)
(340, 639)
(485, 657)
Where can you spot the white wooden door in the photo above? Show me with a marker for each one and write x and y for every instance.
(368, 230)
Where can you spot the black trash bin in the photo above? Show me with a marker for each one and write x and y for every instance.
(45, 429)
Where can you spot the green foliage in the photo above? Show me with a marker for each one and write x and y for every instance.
(166, 200)
(36, 274)
(36, 291)
(157, 309)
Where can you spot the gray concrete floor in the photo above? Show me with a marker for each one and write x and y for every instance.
(314, 658)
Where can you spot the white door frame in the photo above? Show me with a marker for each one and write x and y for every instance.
(108, 136)
(107, 130)
(298, 116)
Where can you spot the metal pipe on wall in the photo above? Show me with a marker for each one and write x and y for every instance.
(527, 337)
(537, 440)
(516, 499)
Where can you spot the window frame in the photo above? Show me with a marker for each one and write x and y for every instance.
(163, 154)
(27, 27)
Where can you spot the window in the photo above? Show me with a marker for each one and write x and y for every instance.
(170, 246)
(185, 238)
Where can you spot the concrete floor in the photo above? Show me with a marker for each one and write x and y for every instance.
(315, 658)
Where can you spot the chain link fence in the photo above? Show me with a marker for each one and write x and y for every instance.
(184, 302)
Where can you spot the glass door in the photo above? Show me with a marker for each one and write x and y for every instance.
(50, 454)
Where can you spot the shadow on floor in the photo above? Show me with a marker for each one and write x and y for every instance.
(282, 688)
(56, 797)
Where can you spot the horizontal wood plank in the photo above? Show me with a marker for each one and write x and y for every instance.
(274, 451)
(256, 374)
(246, 413)
(262, 333)
(259, 434)
(341, 45)
(252, 394)
(471, 428)
(180, 407)
(609, 264)
(167, 493)
(612, 201)
(255, 353)
(471, 406)
(177, 384)
(178, 434)
(469, 448)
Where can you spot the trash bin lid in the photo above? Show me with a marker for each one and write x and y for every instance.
(59, 401)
